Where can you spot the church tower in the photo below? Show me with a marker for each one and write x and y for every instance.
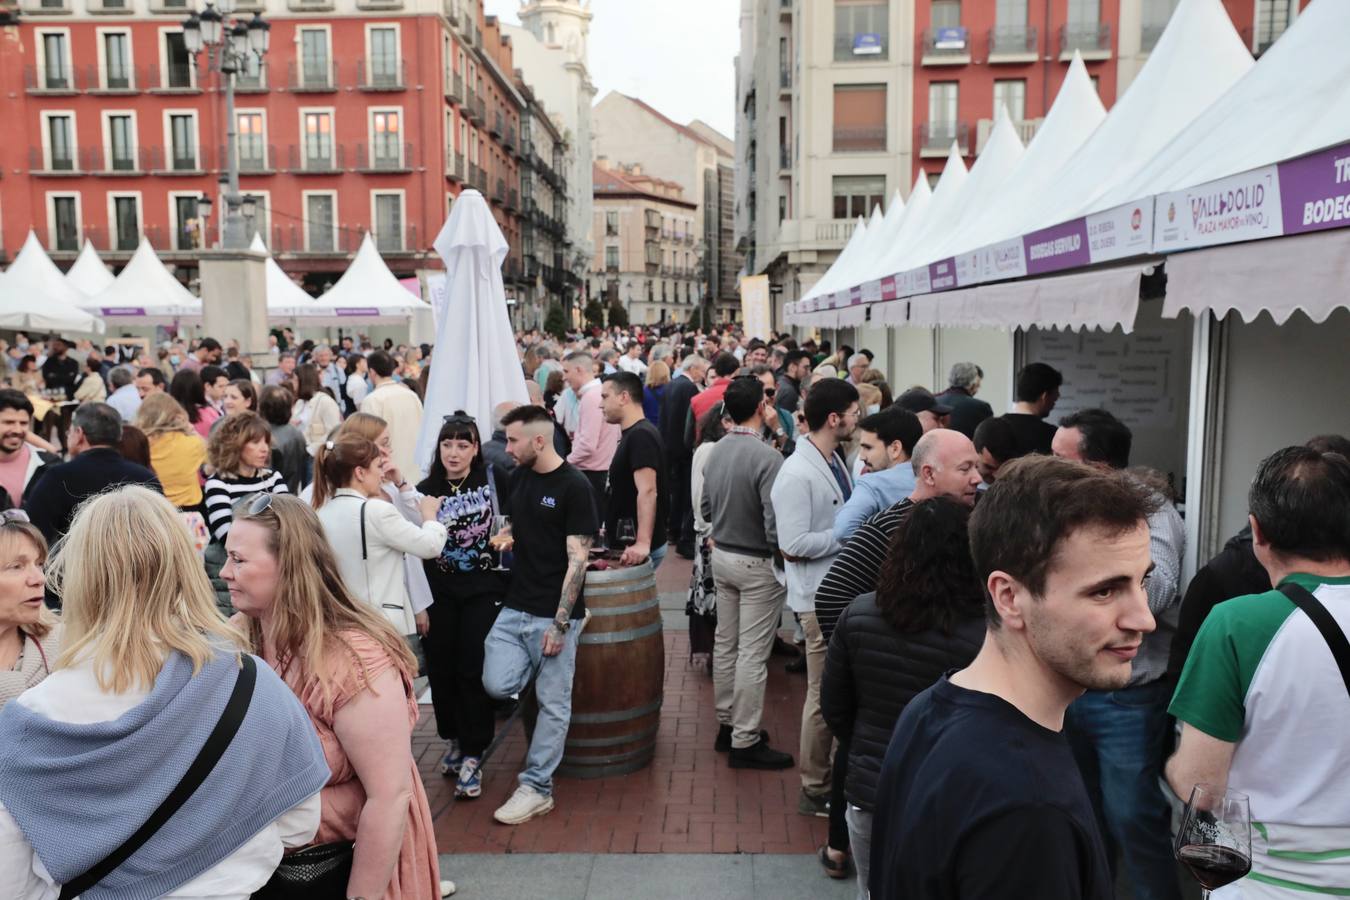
(559, 23)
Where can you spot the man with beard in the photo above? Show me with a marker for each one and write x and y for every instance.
(979, 794)
(20, 464)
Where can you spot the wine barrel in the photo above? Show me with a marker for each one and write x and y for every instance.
(619, 683)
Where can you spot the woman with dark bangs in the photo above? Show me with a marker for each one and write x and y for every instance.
(468, 590)
(925, 618)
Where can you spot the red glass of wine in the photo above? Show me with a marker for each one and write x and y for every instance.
(1215, 839)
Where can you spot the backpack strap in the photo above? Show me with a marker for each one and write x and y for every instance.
(1331, 632)
(214, 748)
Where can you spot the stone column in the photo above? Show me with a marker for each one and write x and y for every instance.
(234, 299)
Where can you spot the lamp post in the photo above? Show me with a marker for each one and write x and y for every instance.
(230, 44)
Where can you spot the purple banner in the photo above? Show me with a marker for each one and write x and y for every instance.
(122, 310)
(1315, 191)
(357, 311)
(1063, 246)
(942, 275)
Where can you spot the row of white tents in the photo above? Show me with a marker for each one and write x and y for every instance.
(35, 295)
(1094, 187)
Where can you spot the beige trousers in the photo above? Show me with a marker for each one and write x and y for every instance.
(749, 608)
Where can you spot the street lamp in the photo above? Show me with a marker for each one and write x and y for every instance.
(230, 45)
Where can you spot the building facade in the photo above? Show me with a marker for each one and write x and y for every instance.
(843, 103)
(364, 116)
(694, 156)
(645, 233)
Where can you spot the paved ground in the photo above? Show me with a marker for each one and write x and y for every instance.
(687, 801)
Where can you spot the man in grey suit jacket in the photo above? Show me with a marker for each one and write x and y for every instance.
(811, 487)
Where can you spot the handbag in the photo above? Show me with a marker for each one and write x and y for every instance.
(320, 872)
(1325, 622)
(212, 750)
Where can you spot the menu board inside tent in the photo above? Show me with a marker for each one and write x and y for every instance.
(1142, 378)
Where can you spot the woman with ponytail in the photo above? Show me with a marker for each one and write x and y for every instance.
(370, 536)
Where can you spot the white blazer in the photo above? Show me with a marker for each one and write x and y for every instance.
(806, 499)
(379, 578)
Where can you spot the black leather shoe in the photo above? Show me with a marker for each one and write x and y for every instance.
(760, 756)
(784, 648)
(723, 742)
(797, 666)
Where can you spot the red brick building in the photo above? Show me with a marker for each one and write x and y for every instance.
(366, 115)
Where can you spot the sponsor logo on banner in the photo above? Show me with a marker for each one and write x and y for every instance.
(888, 289)
(971, 267)
(918, 282)
(1063, 246)
(356, 311)
(1239, 208)
(942, 275)
(1121, 231)
(855, 295)
(871, 291)
(122, 310)
(1006, 260)
(1315, 191)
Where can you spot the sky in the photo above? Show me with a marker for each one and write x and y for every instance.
(677, 57)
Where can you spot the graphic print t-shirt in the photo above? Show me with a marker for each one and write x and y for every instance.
(544, 511)
(465, 565)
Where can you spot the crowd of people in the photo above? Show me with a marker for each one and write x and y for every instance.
(988, 612)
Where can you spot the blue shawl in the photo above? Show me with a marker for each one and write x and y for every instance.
(79, 791)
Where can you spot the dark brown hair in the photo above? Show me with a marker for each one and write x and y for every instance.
(275, 404)
(1036, 504)
(928, 578)
(227, 442)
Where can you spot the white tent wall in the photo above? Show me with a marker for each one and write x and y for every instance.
(1280, 385)
(1143, 378)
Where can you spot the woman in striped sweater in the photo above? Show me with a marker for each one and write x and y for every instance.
(239, 454)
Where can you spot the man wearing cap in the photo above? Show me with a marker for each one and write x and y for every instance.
(923, 404)
(963, 383)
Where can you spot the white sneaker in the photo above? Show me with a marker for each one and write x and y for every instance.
(525, 804)
(447, 888)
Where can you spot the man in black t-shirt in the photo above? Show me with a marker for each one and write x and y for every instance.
(59, 370)
(1037, 393)
(979, 795)
(638, 489)
(552, 525)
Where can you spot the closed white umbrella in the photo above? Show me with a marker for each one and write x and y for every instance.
(474, 366)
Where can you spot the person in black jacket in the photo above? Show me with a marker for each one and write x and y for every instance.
(680, 456)
(925, 618)
(963, 383)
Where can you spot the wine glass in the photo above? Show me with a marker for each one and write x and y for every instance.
(501, 528)
(1215, 839)
(625, 531)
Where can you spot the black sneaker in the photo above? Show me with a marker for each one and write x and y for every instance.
(797, 666)
(760, 756)
(723, 742)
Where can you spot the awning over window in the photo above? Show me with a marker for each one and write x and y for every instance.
(1309, 272)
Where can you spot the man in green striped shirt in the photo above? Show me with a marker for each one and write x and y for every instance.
(1263, 706)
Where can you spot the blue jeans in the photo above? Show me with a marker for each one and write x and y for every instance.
(658, 554)
(1118, 739)
(513, 654)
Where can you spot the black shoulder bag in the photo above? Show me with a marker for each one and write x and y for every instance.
(1331, 632)
(207, 757)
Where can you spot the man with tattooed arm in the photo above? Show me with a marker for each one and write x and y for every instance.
(553, 521)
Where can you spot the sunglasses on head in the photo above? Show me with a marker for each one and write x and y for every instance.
(458, 419)
(13, 515)
(256, 505)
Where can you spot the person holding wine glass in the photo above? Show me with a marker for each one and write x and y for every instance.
(468, 585)
(639, 494)
(1262, 699)
(1063, 552)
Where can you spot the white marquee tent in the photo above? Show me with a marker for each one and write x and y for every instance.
(367, 293)
(146, 293)
(89, 275)
(285, 299)
(35, 295)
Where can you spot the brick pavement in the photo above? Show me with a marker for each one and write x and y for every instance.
(687, 801)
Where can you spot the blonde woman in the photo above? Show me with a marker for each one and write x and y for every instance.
(177, 452)
(353, 673)
(654, 392)
(30, 636)
(148, 671)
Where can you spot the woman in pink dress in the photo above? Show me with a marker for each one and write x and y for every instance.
(353, 674)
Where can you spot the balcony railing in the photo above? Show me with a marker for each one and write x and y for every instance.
(60, 163)
(454, 166)
(499, 192)
(43, 80)
(254, 157)
(122, 161)
(477, 177)
(454, 87)
(784, 77)
(1086, 39)
(496, 124)
(1013, 41)
(860, 140)
(937, 137)
(785, 157)
(512, 200)
(509, 139)
(946, 45)
(382, 75)
(385, 156)
(403, 241)
(477, 109)
(312, 77)
(319, 160)
(335, 240)
(173, 77)
(858, 48)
